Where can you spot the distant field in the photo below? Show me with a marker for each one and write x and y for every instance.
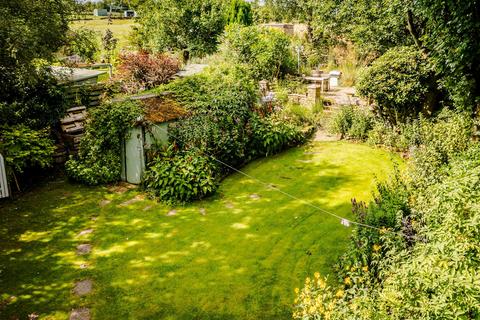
(121, 28)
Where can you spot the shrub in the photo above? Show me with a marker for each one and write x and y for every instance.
(239, 12)
(179, 177)
(98, 159)
(82, 42)
(425, 271)
(274, 134)
(264, 52)
(303, 116)
(140, 70)
(401, 83)
(221, 106)
(351, 122)
(23, 147)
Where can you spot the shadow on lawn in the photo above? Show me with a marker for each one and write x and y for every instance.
(239, 261)
(38, 239)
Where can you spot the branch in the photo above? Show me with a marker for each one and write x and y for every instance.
(413, 30)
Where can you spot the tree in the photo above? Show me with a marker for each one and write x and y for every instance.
(109, 44)
(240, 12)
(190, 26)
(401, 82)
(449, 31)
(82, 42)
(31, 31)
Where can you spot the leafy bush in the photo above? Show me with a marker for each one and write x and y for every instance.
(264, 52)
(98, 158)
(351, 122)
(426, 269)
(221, 107)
(240, 12)
(178, 177)
(401, 82)
(140, 70)
(23, 147)
(37, 102)
(82, 42)
(274, 134)
(190, 26)
(109, 43)
(301, 115)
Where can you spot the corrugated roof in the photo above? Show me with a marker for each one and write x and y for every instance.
(65, 74)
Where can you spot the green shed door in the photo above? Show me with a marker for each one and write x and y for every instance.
(134, 156)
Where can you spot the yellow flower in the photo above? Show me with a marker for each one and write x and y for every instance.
(348, 281)
(317, 275)
(365, 269)
(297, 290)
(339, 293)
(376, 247)
(321, 283)
(307, 281)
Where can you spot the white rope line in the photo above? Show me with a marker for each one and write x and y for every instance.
(343, 220)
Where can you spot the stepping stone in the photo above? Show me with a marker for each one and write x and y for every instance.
(33, 316)
(311, 153)
(94, 218)
(85, 232)
(80, 314)
(84, 266)
(305, 161)
(83, 287)
(83, 249)
(229, 205)
(171, 213)
(254, 196)
(203, 211)
(133, 200)
(147, 208)
(104, 202)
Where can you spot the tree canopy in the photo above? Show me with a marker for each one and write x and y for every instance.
(31, 31)
(190, 26)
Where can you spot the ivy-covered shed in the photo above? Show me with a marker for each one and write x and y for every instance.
(151, 130)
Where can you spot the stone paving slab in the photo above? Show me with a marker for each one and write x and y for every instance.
(83, 287)
(83, 249)
(80, 314)
(172, 212)
(85, 232)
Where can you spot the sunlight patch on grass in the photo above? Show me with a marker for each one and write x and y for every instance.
(241, 260)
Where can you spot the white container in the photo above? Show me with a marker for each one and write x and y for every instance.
(335, 78)
(3, 179)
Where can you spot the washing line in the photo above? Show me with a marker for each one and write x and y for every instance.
(344, 221)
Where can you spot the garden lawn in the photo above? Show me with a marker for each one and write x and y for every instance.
(121, 29)
(237, 255)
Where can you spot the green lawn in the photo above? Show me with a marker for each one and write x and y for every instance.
(242, 259)
(121, 29)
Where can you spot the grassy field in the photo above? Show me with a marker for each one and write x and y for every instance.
(121, 29)
(237, 255)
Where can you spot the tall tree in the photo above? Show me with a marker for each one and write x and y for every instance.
(190, 26)
(31, 31)
(450, 34)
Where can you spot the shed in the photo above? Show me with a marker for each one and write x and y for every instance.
(129, 14)
(151, 130)
(76, 76)
(100, 12)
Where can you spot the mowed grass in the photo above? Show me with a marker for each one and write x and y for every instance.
(232, 256)
(121, 29)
